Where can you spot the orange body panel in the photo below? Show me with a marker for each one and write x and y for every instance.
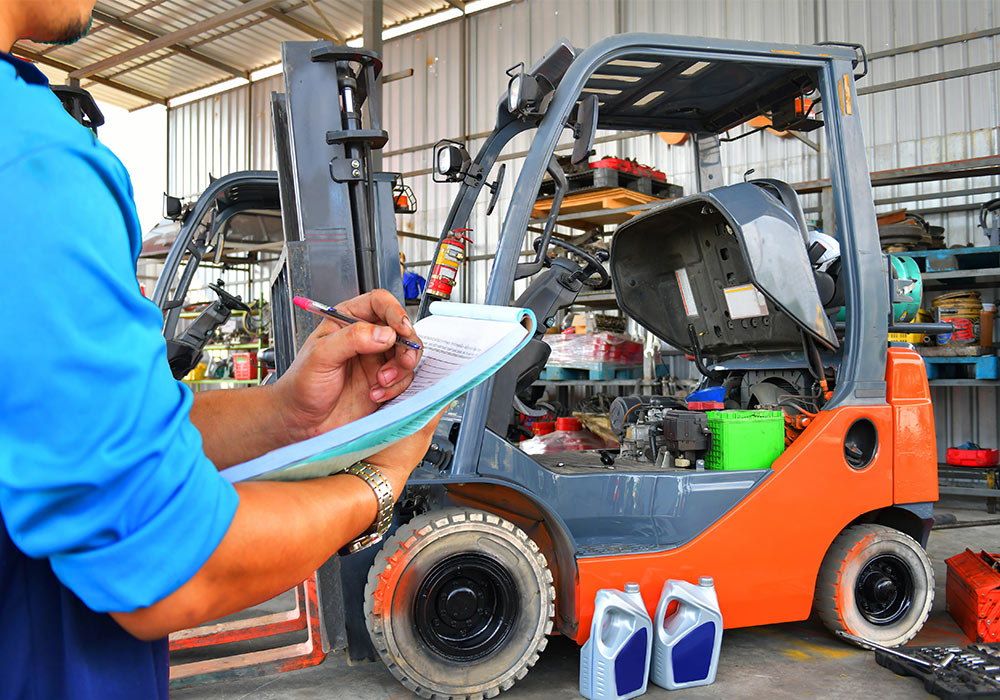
(914, 444)
(765, 553)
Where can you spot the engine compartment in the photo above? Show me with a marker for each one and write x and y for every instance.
(664, 431)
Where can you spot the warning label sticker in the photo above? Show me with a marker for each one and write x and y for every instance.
(745, 301)
(690, 308)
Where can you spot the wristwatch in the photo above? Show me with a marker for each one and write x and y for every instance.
(383, 492)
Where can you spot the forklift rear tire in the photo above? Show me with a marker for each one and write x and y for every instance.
(458, 604)
(876, 583)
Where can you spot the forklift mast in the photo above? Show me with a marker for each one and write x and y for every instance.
(339, 234)
(337, 212)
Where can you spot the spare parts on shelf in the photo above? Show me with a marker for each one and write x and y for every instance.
(961, 309)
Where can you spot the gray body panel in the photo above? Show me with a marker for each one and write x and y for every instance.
(634, 508)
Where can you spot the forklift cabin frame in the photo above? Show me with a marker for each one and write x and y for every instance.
(604, 527)
(596, 527)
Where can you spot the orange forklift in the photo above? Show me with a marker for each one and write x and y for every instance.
(495, 549)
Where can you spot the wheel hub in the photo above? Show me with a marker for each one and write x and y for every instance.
(459, 603)
(884, 589)
(466, 606)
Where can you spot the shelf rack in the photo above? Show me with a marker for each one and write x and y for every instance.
(212, 382)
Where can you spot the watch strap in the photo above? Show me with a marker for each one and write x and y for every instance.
(383, 492)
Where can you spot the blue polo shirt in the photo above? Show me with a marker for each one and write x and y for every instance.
(108, 502)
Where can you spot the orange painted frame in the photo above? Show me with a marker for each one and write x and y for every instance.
(304, 616)
(765, 553)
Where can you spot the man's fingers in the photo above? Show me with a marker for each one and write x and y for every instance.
(379, 306)
(397, 365)
(356, 339)
(381, 393)
(325, 328)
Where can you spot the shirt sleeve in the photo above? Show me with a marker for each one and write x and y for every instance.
(101, 469)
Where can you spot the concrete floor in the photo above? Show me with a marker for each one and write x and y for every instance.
(794, 660)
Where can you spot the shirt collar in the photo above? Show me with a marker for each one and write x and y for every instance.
(25, 70)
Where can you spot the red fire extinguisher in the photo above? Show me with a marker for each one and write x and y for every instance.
(449, 259)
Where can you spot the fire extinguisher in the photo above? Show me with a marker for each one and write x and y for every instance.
(449, 259)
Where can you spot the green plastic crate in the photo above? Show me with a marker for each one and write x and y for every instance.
(745, 439)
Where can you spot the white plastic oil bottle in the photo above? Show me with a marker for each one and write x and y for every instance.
(686, 644)
(614, 663)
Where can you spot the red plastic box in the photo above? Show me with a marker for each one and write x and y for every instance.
(244, 365)
(973, 594)
(626, 166)
(629, 166)
(958, 457)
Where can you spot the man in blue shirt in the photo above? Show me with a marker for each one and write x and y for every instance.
(116, 526)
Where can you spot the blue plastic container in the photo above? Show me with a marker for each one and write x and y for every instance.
(614, 663)
(687, 643)
(711, 393)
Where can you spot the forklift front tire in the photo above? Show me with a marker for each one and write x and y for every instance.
(876, 583)
(458, 604)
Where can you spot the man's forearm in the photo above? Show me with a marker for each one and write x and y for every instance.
(281, 533)
(238, 424)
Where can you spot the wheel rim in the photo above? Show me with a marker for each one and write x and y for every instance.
(466, 606)
(884, 589)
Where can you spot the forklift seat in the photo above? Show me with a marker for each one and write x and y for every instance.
(724, 272)
(789, 198)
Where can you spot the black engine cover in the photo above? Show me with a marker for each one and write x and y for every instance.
(686, 431)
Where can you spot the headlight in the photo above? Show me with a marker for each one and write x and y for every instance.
(514, 92)
(445, 161)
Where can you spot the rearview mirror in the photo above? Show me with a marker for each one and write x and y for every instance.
(585, 129)
(171, 207)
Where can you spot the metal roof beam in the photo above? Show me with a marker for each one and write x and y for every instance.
(167, 40)
(176, 48)
(304, 27)
(135, 92)
(457, 4)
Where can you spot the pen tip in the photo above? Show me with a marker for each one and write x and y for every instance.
(301, 302)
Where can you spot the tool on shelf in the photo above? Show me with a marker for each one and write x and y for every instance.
(992, 232)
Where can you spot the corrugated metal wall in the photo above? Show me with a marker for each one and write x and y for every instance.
(219, 135)
(451, 97)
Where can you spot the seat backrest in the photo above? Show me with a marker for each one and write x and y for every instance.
(788, 197)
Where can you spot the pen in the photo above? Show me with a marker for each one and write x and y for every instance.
(323, 310)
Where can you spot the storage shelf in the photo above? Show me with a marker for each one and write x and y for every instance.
(602, 299)
(966, 279)
(964, 382)
(196, 314)
(240, 346)
(221, 381)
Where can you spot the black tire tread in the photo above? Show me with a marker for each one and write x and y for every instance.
(420, 527)
(824, 601)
